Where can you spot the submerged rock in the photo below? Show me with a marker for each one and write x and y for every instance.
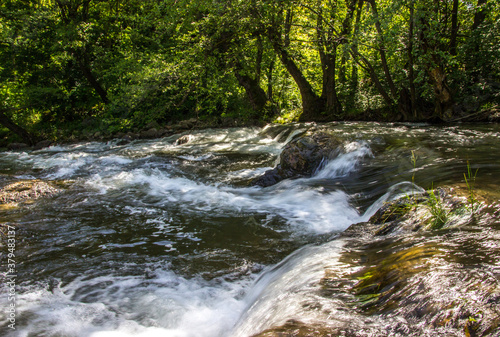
(302, 157)
(26, 190)
(183, 140)
(424, 259)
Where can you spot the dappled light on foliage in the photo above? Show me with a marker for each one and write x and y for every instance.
(76, 67)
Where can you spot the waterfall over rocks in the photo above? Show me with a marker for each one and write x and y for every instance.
(302, 157)
(169, 237)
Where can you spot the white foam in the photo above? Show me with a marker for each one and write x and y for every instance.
(246, 173)
(165, 305)
(305, 208)
(115, 160)
(55, 148)
(346, 162)
(286, 291)
(309, 209)
(197, 158)
(395, 192)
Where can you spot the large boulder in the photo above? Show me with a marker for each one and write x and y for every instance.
(150, 134)
(302, 157)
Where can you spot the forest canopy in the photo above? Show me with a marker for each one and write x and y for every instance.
(72, 67)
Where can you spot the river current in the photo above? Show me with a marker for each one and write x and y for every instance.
(157, 238)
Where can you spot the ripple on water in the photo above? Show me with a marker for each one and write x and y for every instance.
(158, 238)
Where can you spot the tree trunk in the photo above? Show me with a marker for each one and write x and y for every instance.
(411, 72)
(454, 28)
(354, 83)
(480, 15)
(73, 13)
(443, 98)
(21, 132)
(312, 104)
(85, 69)
(475, 41)
(255, 94)
(383, 57)
(329, 94)
(328, 57)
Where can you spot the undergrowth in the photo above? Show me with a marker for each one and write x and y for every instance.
(440, 214)
(438, 210)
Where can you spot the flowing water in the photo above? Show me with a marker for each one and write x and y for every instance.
(151, 238)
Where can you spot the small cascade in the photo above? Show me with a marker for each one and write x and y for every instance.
(288, 290)
(166, 238)
(345, 163)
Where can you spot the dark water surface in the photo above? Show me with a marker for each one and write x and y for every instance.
(151, 238)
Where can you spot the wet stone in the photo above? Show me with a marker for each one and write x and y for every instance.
(26, 190)
(399, 276)
(183, 140)
(302, 157)
(294, 328)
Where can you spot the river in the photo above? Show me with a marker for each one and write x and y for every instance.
(156, 238)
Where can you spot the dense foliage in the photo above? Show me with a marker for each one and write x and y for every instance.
(69, 67)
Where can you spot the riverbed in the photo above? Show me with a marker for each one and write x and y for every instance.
(169, 238)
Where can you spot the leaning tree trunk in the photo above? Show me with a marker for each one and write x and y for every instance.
(21, 132)
(312, 104)
(255, 94)
(87, 72)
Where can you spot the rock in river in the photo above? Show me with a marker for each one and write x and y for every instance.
(302, 157)
(26, 190)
